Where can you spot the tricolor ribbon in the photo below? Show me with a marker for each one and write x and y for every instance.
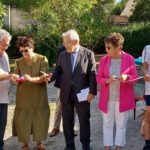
(134, 79)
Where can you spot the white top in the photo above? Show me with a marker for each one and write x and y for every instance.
(146, 58)
(4, 85)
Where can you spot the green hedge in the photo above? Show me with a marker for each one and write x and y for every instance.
(136, 37)
(44, 46)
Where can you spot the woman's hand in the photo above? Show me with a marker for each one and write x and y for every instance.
(147, 77)
(124, 77)
(112, 79)
(13, 77)
(28, 78)
(47, 76)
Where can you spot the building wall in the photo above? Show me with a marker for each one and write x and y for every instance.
(16, 19)
(128, 9)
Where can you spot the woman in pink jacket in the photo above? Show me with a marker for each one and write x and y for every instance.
(116, 76)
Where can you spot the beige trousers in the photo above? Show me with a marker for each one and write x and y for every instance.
(147, 124)
(58, 111)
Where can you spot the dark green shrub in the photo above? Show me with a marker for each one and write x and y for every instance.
(12, 51)
(141, 11)
(119, 7)
(45, 46)
(136, 36)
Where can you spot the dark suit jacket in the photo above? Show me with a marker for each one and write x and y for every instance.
(59, 79)
(84, 74)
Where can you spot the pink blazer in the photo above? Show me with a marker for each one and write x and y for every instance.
(127, 98)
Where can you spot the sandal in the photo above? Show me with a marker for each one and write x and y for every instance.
(40, 146)
(107, 148)
(25, 147)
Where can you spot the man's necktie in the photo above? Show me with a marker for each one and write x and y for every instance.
(72, 61)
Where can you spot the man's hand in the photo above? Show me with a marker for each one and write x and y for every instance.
(147, 77)
(47, 76)
(90, 97)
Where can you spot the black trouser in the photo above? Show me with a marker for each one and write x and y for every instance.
(3, 121)
(147, 145)
(83, 111)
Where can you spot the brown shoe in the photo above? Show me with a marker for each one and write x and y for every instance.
(107, 148)
(25, 146)
(118, 148)
(54, 132)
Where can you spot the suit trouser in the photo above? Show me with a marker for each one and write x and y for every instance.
(3, 122)
(147, 145)
(113, 115)
(83, 111)
(58, 111)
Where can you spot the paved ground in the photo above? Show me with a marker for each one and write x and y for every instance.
(134, 140)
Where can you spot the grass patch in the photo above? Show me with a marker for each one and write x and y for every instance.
(50, 143)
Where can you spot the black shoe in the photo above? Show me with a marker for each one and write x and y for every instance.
(147, 145)
(70, 148)
(146, 148)
(88, 148)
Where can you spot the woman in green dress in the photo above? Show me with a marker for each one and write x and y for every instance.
(32, 112)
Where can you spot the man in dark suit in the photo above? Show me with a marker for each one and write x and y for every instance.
(77, 67)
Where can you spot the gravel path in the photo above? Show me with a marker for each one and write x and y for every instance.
(134, 140)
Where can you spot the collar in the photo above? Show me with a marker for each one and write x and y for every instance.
(77, 49)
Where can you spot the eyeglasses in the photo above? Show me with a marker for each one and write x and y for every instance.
(24, 51)
(67, 43)
(107, 47)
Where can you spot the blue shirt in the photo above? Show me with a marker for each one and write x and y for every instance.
(74, 56)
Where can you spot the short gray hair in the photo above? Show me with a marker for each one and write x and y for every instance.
(4, 34)
(72, 33)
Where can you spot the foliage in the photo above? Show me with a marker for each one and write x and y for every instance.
(136, 36)
(2, 13)
(40, 46)
(119, 7)
(12, 51)
(141, 11)
(25, 5)
(87, 17)
(53, 17)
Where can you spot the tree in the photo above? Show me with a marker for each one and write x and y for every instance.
(141, 11)
(2, 13)
(57, 16)
(119, 7)
(52, 17)
(25, 5)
